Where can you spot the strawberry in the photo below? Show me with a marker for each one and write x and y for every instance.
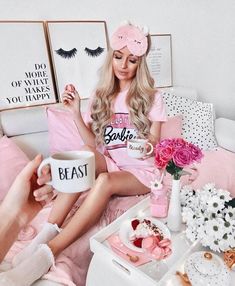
(134, 223)
(138, 242)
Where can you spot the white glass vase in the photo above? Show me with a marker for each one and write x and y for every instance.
(174, 218)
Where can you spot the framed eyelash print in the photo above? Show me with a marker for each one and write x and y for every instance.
(78, 49)
(26, 78)
(159, 60)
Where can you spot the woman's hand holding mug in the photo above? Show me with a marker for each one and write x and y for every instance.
(71, 171)
(138, 148)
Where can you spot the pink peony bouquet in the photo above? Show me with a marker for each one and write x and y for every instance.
(175, 154)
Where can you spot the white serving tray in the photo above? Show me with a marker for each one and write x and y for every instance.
(107, 268)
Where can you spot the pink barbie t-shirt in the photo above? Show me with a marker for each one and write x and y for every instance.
(121, 129)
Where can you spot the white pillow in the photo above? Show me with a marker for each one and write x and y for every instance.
(225, 133)
(198, 119)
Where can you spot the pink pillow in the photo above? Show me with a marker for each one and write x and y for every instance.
(63, 133)
(172, 128)
(12, 161)
(218, 167)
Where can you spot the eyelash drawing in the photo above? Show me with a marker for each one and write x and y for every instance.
(66, 54)
(94, 53)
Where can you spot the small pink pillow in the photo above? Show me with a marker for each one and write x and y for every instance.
(218, 167)
(63, 133)
(172, 128)
(12, 161)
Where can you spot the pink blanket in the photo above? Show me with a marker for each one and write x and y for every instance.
(72, 264)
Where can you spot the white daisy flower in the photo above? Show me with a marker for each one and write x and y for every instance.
(224, 195)
(228, 226)
(209, 187)
(213, 215)
(230, 214)
(199, 221)
(187, 214)
(155, 184)
(214, 245)
(211, 242)
(207, 218)
(207, 240)
(204, 197)
(187, 195)
(191, 234)
(231, 239)
(215, 228)
(215, 204)
(187, 189)
(201, 231)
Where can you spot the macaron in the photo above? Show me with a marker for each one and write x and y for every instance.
(157, 239)
(70, 87)
(166, 242)
(148, 243)
(167, 252)
(158, 253)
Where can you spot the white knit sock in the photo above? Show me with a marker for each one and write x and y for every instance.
(29, 270)
(48, 232)
(4, 266)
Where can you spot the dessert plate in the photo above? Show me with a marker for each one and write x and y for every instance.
(126, 231)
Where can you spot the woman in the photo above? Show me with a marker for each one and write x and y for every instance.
(125, 105)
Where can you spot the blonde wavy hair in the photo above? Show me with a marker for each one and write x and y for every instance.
(140, 98)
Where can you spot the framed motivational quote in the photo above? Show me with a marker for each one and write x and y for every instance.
(26, 77)
(159, 60)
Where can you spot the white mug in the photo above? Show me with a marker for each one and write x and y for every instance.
(137, 148)
(71, 171)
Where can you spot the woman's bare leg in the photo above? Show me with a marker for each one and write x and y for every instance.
(61, 207)
(64, 202)
(106, 185)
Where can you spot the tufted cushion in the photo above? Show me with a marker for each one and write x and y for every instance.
(198, 119)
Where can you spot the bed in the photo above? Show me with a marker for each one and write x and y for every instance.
(28, 128)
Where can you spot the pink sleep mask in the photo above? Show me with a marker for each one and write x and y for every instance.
(131, 37)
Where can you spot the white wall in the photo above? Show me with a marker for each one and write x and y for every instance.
(203, 35)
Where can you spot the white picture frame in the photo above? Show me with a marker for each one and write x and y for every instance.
(159, 60)
(78, 50)
(26, 78)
